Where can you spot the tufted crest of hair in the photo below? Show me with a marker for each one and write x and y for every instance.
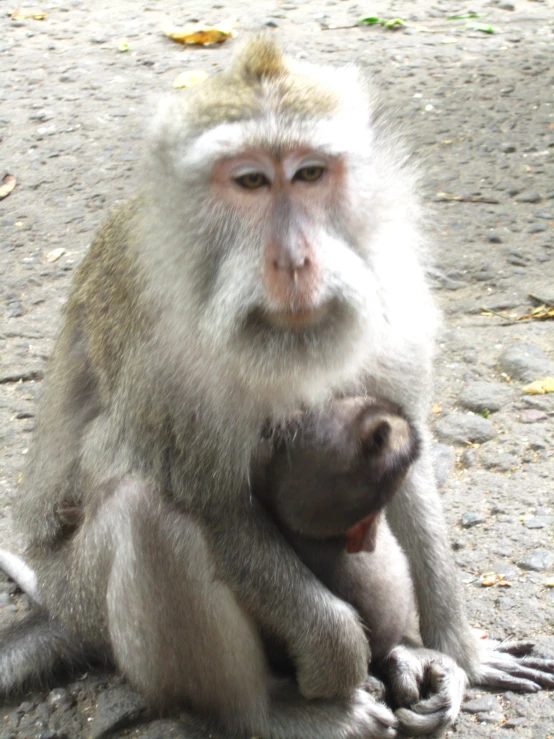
(260, 58)
(260, 79)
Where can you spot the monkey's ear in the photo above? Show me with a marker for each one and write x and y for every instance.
(260, 58)
(375, 432)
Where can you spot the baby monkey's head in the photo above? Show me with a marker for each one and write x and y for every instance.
(331, 472)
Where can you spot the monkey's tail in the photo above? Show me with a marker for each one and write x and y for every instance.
(33, 648)
(20, 572)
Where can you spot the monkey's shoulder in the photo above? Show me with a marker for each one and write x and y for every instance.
(106, 303)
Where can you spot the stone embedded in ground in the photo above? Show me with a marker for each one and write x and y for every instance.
(469, 458)
(486, 396)
(529, 197)
(117, 708)
(444, 459)
(492, 717)
(537, 560)
(526, 362)
(495, 459)
(471, 519)
(538, 522)
(460, 428)
(484, 704)
(513, 723)
(532, 415)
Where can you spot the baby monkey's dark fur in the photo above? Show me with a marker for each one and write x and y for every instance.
(328, 471)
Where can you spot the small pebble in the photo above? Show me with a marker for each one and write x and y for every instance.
(459, 428)
(471, 519)
(513, 723)
(537, 560)
(489, 396)
(529, 197)
(532, 415)
(526, 362)
(484, 704)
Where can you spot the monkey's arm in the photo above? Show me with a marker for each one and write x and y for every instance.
(324, 635)
(415, 516)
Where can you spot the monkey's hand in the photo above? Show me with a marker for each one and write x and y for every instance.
(507, 665)
(427, 685)
(334, 655)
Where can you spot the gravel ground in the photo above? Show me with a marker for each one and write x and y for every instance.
(479, 110)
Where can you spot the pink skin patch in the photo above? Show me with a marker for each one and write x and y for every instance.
(362, 537)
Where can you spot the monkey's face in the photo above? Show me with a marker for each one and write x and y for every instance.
(273, 213)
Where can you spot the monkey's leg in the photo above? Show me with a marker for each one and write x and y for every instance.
(416, 519)
(180, 636)
(443, 622)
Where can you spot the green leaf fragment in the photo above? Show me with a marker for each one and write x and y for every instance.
(386, 23)
(481, 27)
(465, 16)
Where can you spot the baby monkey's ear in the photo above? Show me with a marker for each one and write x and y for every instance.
(375, 431)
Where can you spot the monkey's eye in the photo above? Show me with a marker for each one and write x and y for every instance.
(252, 180)
(309, 174)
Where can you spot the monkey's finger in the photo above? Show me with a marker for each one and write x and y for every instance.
(544, 665)
(543, 679)
(518, 648)
(417, 724)
(491, 677)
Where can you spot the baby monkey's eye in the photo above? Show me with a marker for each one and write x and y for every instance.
(252, 180)
(309, 174)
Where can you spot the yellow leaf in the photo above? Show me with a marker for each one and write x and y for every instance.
(195, 33)
(549, 583)
(541, 313)
(123, 45)
(189, 79)
(22, 14)
(436, 409)
(540, 387)
(8, 184)
(490, 578)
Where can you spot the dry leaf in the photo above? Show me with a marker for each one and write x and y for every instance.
(22, 14)
(549, 583)
(436, 409)
(189, 79)
(490, 578)
(540, 387)
(196, 33)
(540, 314)
(8, 184)
(55, 254)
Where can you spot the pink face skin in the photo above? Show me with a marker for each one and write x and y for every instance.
(284, 198)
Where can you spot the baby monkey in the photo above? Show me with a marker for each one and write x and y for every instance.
(325, 480)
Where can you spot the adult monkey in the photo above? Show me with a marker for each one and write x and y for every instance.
(267, 266)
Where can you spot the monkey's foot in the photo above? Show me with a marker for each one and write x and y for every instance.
(370, 719)
(429, 686)
(507, 665)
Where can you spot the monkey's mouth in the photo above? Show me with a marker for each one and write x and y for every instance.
(362, 536)
(295, 319)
